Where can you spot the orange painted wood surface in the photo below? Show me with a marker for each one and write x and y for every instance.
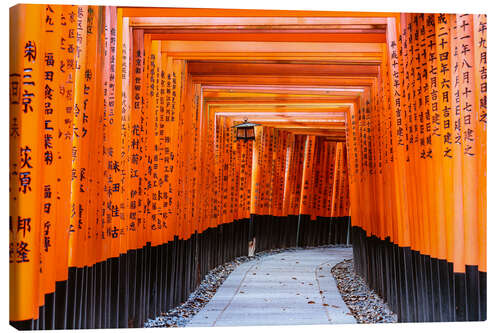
(376, 116)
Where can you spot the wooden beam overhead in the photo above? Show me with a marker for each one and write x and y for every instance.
(264, 22)
(131, 11)
(266, 47)
(282, 89)
(337, 35)
(281, 80)
(228, 68)
(353, 58)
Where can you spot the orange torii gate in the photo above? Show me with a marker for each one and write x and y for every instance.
(127, 182)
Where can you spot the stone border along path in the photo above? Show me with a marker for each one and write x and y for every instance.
(365, 305)
(294, 287)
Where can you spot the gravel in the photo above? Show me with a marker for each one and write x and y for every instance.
(182, 314)
(365, 305)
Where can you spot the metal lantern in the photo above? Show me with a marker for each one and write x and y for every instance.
(245, 131)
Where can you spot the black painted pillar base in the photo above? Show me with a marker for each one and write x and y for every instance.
(417, 287)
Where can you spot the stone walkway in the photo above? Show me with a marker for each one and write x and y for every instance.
(290, 288)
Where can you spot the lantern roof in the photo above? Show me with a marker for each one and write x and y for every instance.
(245, 124)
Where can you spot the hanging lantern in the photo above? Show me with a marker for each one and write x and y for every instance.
(245, 131)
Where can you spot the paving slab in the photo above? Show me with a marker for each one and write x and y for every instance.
(289, 288)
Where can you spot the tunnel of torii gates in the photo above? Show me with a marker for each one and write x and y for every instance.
(127, 184)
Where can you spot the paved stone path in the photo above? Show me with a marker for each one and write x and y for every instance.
(290, 288)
